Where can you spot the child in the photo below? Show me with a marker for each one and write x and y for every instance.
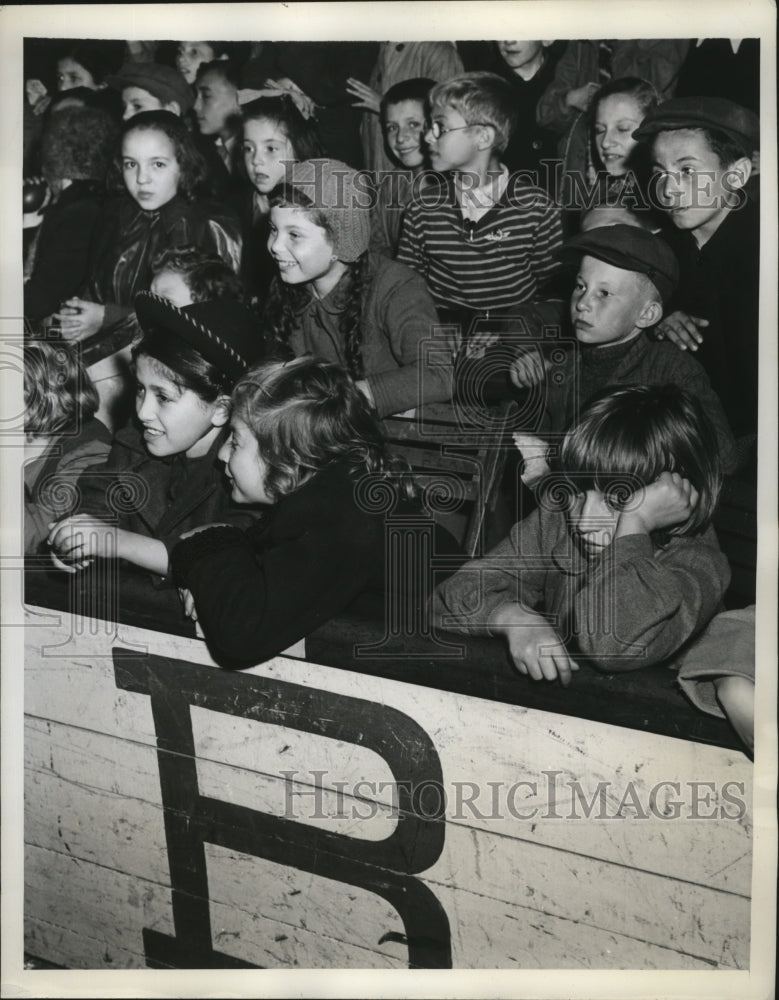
(76, 148)
(60, 403)
(160, 168)
(625, 276)
(161, 477)
(402, 115)
(701, 150)
(620, 170)
(628, 569)
(483, 243)
(217, 110)
(275, 135)
(335, 300)
(190, 56)
(183, 275)
(302, 438)
(151, 87)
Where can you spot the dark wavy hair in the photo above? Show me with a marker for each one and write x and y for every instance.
(58, 393)
(282, 112)
(96, 56)
(307, 414)
(207, 276)
(191, 163)
(284, 301)
(77, 144)
(632, 435)
(183, 365)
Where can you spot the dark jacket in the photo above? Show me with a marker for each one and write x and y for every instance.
(61, 264)
(720, 282)
(259, 591)
(159, 497)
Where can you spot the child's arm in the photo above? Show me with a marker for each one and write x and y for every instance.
(534, 646)
(411, 248)
(639, 605)
(77, 540)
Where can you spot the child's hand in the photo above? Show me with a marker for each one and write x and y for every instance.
(529, 369)
(76, 541)
(189, 603)
(534, 646)
(580, 97)
(682, 329)
(670, 500)
(477, 345)
(365, 96)
(79, 318)
(533, 451)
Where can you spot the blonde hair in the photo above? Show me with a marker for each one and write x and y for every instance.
(58, 393)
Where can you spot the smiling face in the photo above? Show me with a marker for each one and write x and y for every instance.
(244, 466)
(136, 99)
(694, 187)
(616, 118)
(175, 421)
(610, 305)
(190, 55)
(266, 153)
(216, 105)
(71, 74)
(302, 250)
(404, 126)
(150, 169)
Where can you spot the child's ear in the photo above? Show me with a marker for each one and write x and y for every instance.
(486, 138)
(739, 172)
(651, 314)
(221, 414)
(174, 107)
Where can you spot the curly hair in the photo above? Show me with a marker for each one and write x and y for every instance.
(284, 301)
(206, 275)
(77, 144)
(282, 112)
(190, 160)
(58, 393)
(640, 432)
(307, 414)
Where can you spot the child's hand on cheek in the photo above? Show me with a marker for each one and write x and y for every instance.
(534, 646)
(670, 500)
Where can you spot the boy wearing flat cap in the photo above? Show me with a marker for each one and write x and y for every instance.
(625, 276)
(702, 151)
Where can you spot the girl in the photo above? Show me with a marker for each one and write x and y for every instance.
(59, 408)
(619, 168)
(619, 564)
(275, 135)
(302, 439)
(161, 477)
(160, 168)
(333, 299)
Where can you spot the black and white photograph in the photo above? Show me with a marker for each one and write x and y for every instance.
(389, 500)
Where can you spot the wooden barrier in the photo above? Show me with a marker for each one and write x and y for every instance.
(299, 815)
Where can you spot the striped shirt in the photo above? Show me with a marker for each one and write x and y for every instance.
(497, 262)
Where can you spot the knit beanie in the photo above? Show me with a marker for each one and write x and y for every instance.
(330, 187)
(77, 144)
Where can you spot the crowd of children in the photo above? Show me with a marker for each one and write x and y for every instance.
(211, 252)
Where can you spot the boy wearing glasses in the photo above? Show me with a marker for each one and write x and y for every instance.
(483, 240)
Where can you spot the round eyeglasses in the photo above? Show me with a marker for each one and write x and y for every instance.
(438, 129)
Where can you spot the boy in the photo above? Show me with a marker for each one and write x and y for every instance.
(402, 114)
(701, 155)
(625, 276)
(184, 275)
(151, 87)
(218, 115)
(483, 243)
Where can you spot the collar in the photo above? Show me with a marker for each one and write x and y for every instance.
(476, 202)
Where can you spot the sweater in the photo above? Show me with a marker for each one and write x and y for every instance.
(631, 606)
(398, 317)
(498, 262)
(258, 591)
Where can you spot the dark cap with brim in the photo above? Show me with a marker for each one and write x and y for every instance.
(223, 331)
(739, 124)
(163, 82)
(631, 249)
